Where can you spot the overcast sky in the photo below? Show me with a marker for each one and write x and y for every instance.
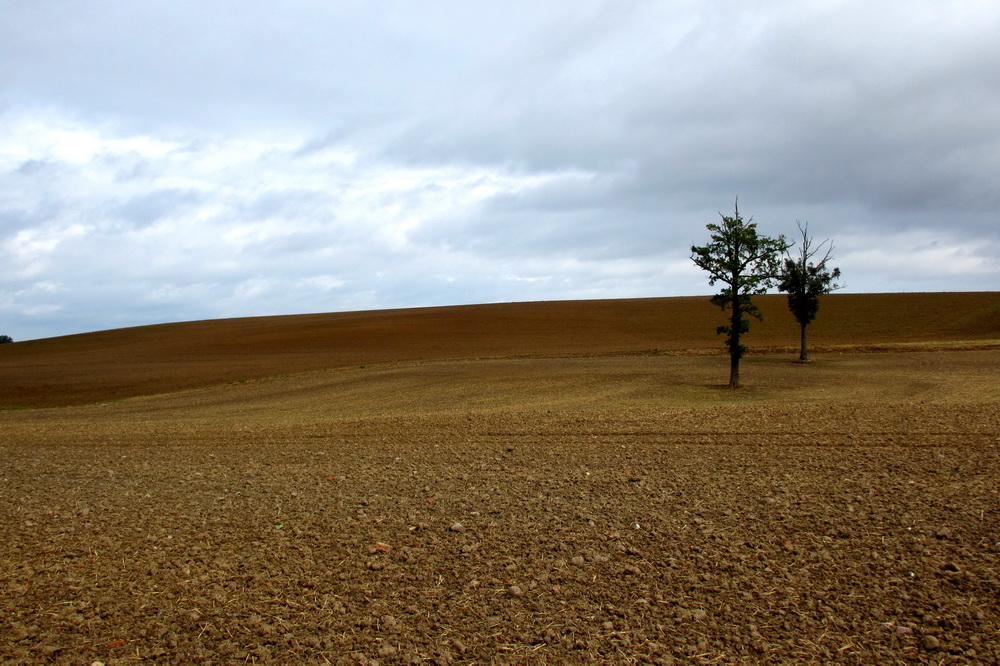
(177, 160)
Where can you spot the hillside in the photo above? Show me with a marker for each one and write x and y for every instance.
(148, 360)
(526, 483)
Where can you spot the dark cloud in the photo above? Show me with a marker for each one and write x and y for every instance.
(232, 159)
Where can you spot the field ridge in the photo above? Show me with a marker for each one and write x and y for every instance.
(147, 360)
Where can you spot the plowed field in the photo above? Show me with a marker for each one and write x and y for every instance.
(586, 503)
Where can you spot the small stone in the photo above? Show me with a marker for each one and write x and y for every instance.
(578, 561)
(901, 630)
(514, 591)
(456, 527)
(944, 533)
(931, 643)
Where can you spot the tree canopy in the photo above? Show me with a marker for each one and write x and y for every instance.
(747, 264)
(805, 280)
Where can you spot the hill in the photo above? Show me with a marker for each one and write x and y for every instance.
(519, 483)
(115, 364)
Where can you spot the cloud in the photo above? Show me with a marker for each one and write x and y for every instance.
(920, 260)
(230, 222)
(163, 161)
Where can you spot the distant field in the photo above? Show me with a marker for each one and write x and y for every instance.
(537, 483)
(121, 363)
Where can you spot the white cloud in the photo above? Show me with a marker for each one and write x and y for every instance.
(318, 156)
(241, 221)
(920, 260)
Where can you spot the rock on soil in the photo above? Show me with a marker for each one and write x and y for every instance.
(317, 544)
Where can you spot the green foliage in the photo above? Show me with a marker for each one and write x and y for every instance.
(805, 280)
(5, 339)
(746, 264)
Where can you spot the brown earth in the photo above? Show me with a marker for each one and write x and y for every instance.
(580, 498)
(111, 365)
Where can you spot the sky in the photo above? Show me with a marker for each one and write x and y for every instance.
(175, 161)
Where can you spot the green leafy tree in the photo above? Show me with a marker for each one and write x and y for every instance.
(4, 339)
(747, 264)
(804, 280)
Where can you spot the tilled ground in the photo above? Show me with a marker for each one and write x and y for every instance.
(675, 536)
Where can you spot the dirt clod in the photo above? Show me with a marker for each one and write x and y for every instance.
(146, 530)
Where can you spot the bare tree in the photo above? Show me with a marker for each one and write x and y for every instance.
(805, 280)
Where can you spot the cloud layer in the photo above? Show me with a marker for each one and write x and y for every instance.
(174, 161)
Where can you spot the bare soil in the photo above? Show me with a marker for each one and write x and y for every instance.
(617, 508)
(148, 360)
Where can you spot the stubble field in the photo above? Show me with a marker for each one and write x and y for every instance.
(596, 498)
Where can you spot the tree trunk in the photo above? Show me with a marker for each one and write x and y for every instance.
(804, 351)
(735, 350)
